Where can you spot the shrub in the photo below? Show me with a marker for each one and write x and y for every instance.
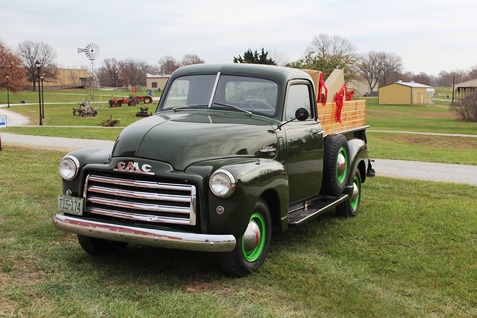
(466, 108)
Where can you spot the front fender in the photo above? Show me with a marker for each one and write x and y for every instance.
(253, 178)
(86, 157)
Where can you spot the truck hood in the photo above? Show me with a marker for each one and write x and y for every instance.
(182, 139)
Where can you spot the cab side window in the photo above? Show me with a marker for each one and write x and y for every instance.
(298, 97)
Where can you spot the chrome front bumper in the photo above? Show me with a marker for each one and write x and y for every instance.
(145, 236)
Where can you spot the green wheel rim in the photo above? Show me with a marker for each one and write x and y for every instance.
(341, 177)
(253, 255)
(355, 201)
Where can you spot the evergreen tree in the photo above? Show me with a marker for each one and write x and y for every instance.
(255, 58)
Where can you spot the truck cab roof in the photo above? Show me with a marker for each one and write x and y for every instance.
(279, 74)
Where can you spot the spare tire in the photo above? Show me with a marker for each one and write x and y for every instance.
(335, 164)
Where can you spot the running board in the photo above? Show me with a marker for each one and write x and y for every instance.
(315, 208)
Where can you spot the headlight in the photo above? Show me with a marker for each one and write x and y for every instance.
(68, 167)
(222, 183)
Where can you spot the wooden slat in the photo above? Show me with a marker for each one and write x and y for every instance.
(353, 115)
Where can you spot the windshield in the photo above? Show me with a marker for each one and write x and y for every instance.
(236, 93)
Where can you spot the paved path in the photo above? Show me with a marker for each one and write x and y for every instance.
(453, 173)
(430, 171)
(419, 133)
(13, 119)
(53, 142)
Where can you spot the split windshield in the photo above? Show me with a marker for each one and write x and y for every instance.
(235, 93)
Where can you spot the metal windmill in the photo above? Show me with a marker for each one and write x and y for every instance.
(91, 51)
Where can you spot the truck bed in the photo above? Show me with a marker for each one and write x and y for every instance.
(353, 116)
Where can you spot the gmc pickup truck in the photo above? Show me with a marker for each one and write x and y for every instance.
(233, 153)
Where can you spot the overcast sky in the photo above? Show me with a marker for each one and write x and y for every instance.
(428, 35)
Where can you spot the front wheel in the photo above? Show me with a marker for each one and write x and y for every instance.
(252, 248)
(350, 207)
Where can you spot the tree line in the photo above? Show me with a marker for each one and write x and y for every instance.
(324, 53)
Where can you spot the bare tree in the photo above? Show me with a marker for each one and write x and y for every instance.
(444, 78)
(279, 57)
(11, 66)
(472, 74)
(168, 64)
(407, 76)
(447, 78)
(379, 68)
(369, 68)
(190, 59)
(390, 68)
(110, 73)
(134, 72)
(325, 53)
(422, 78)
(38, 52)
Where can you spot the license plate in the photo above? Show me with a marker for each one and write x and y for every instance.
(70, 205)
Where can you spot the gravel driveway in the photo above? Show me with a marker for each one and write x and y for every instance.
(453, 173)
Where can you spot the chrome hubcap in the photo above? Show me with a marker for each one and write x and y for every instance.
(340, 165)
(251, 238)
(355, 194)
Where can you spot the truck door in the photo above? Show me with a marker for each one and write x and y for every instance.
(304, 144)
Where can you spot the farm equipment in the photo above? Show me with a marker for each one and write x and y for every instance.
(130, 101)
(84, 110)
(143, 112)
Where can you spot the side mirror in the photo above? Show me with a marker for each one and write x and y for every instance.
(301, 114)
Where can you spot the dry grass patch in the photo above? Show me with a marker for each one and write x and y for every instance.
(447, 142)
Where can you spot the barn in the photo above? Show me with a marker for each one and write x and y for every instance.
(405, 93)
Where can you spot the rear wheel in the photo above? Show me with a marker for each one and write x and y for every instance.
(95, 246)
(350, 207)
(252, 248)
(147, 100)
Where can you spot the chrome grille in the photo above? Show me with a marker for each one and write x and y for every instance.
(141, 200)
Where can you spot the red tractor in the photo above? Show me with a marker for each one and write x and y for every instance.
(131, 100)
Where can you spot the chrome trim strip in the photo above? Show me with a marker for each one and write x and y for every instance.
(160, 238)
(139, 217)
(139, 195)
(139, 183)
(139, 206)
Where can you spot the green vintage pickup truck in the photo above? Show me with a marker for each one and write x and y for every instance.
(233, 153)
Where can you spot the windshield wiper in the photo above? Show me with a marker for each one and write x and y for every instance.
(234, 107)
(188, 107)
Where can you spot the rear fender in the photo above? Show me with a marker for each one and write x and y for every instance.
(358, 153)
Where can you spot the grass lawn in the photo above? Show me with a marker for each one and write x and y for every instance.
(419, 147)
(402, 256)
(419, 118)
(59, 119)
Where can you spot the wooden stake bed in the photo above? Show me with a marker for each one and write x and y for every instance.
(353, 115)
